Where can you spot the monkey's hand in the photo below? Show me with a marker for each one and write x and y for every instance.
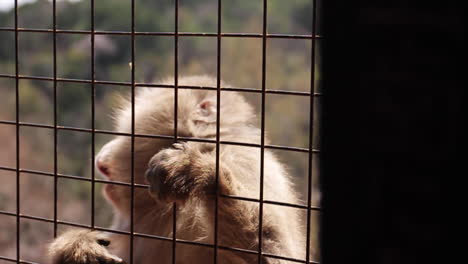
(82, 247)
(184, 171)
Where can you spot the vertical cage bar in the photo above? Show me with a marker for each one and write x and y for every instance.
(176, 111)
(311, 127)
(262, 139)
(132, 149)
(93, 117)
(18, 208)
(218, 125)
(54, 10)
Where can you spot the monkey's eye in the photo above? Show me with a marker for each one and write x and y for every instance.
(103, 242)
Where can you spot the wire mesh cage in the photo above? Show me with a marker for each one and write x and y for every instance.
(72, 84)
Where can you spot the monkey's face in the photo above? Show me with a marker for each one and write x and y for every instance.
(114, 162)
(154, 115)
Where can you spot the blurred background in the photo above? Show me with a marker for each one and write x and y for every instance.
(287, 116)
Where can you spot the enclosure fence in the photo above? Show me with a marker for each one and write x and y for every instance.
(219, 35)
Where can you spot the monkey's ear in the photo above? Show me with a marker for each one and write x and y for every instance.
(207, 107)
(206, 111)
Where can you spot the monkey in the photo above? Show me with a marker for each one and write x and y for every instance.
(185, 173)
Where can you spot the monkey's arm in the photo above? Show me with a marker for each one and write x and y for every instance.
(81, 247)
(188, 171)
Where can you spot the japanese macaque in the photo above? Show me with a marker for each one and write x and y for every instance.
(184, 173)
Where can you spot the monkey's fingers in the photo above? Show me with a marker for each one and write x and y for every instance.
(82, 247)
(110, 259)
(170, 174)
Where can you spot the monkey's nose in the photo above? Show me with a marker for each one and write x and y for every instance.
(103, 168)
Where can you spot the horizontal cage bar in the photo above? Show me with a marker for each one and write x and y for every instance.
(169, 34)
(153, 85)
(180, 241)
(98, 131)
(80, 178)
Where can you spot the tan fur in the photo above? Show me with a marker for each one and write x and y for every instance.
(83, 247)
(185, 173)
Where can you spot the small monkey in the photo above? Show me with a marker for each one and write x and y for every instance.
(185, 173)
